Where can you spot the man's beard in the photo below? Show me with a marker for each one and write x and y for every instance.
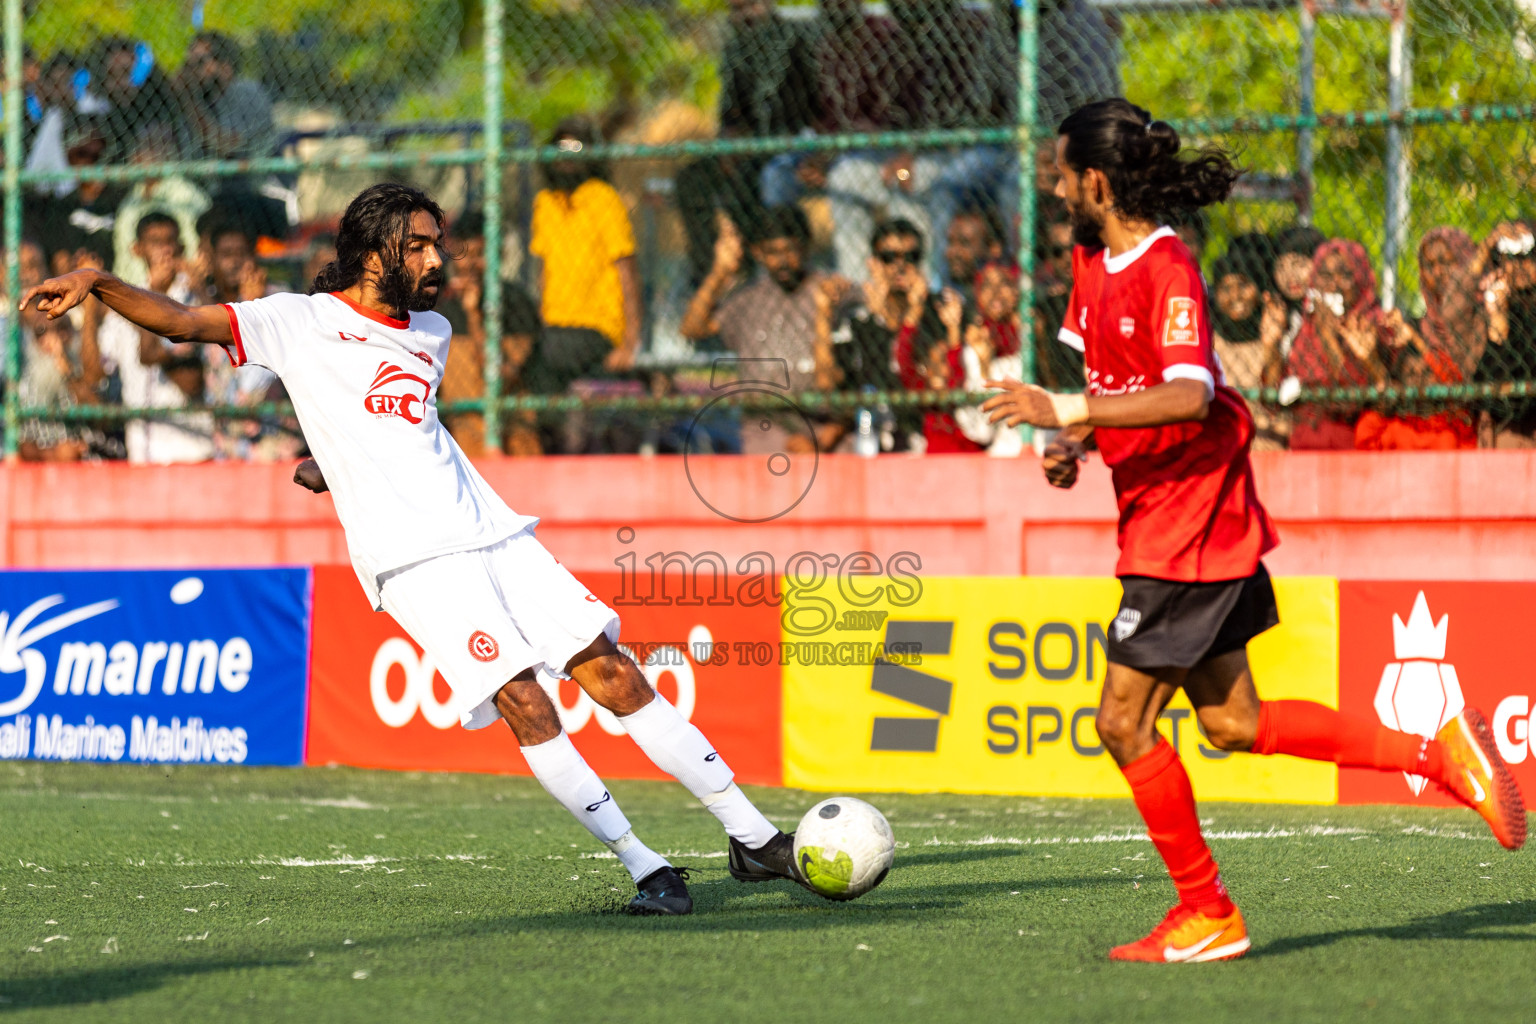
(399, 292)
(789, 281)
(1086, 231)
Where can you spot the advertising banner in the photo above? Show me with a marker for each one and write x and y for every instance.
(185, 666)
(989, 685)
(1412, 655)
(378, 701)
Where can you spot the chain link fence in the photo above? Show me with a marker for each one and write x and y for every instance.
(688, 225)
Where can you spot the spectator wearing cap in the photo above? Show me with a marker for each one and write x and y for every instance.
(771, 317)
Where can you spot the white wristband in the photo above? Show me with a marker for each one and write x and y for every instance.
(1070, 409)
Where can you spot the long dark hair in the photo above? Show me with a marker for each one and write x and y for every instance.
(377, 221)
(1140, 157)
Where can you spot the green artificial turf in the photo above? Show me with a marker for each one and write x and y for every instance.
(134, 893)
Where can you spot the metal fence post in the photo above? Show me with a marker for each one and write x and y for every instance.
(1398, 84)
(13, 158)
(1306, 69)
(491, 293)
(1029, 50)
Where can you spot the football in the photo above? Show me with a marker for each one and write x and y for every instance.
(844, 847)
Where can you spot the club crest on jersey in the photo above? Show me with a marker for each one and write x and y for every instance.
(1182, 325)
(1125, 624)
(1127, 326)
(394, 392)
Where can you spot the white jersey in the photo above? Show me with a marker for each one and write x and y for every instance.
(364, 387)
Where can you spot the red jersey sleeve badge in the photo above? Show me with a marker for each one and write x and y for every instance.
(1182, 324)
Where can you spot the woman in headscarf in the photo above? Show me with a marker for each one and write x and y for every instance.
(1249, 320)
(1341, 344)
(1442, 348)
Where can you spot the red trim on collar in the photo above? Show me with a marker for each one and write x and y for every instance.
(375, 315)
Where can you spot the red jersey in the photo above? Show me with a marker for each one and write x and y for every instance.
(1188, 508)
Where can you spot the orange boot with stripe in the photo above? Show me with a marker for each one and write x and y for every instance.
(1189, 936)
(1475, 774)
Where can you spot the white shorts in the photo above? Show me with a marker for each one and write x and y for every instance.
(486, 615)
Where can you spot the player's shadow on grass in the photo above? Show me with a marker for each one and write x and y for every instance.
(71, 988)
(1483, 922)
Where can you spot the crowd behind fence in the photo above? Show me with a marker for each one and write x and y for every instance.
(690, 226)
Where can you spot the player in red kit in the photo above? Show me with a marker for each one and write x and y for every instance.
(1192, 531)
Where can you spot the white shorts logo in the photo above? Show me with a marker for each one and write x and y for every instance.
(1126, 623)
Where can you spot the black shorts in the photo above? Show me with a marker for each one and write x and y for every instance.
(1168, 624)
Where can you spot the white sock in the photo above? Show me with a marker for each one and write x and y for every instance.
(571, 781)
(678, 748)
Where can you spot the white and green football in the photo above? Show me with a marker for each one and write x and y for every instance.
(844, 848)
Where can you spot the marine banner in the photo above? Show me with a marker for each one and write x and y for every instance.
(185, 666)
(989, 685)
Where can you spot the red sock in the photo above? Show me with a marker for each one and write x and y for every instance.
(1304, 728)
(1160, 786)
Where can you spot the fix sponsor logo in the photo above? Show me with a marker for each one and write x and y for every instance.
(1181, 326)
(912, 734)
(394, 392)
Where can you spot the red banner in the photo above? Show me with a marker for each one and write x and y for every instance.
(1412, 654)
(706, 659)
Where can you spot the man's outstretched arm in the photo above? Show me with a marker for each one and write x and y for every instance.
(150, 310)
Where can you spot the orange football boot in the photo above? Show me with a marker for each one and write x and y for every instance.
(1188, 936)
(1475, 774)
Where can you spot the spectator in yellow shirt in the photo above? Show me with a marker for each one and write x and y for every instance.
(589, 282)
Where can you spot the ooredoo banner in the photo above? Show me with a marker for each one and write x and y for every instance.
(180, 666)
(990, 684)
(1412, 655)
(378, 701)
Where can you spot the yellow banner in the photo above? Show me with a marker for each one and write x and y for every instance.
(1009, 706)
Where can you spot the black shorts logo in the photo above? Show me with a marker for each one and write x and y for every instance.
(1125, 624)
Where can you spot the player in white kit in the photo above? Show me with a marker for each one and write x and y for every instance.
(432, 544)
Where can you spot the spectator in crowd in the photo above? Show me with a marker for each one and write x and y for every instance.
(1295, 248)
(1059, 366)
(767, 72)
(173, 195)
(992, 352)
(231, 114)
(864, 325)
(140, 101)
(772, 316)
(1342, 341)
(60, 369)
(961, 75)
(464, 376)
(1509, 293)
(975, 238)
(155, 373)
(707, 190)
(52, 102)
(79, 222)
(1441, 348)
(588, 281)
(1248, 323)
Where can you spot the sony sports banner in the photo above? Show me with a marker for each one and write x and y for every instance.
(184, 666)
(378, 701)
(990, 685)
(1412, 655)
